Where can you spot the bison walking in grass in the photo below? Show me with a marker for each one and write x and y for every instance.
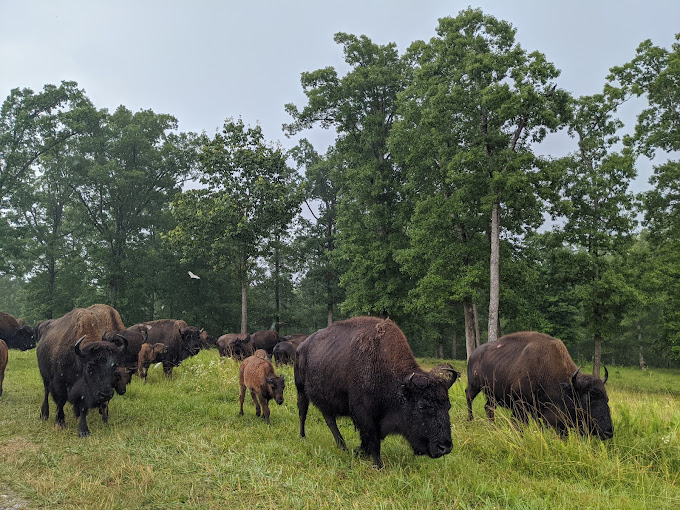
(256, 374)
(533, 375)
(364, 368)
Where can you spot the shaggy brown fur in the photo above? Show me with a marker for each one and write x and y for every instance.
(364, 368)
(533, 375)
(257, 375)
(148, 354)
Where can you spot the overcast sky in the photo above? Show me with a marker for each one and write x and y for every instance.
(205, 61)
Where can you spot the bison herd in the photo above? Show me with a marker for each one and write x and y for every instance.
(361, 367)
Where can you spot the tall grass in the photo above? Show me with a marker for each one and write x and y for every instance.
(181, 444)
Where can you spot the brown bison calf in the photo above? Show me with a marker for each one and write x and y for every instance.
(257, 374)
(3, 362)
(149, 353)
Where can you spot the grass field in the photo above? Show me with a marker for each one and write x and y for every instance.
(181, 444)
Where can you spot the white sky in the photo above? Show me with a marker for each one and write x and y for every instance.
(204, 61)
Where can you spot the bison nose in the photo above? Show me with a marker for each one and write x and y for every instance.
(607, 434)
(443, 448)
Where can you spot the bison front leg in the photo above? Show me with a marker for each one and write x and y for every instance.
(265, 409)
(167, 368)
(104, 411)
(370, 441)
(83, 430)
(241, 397)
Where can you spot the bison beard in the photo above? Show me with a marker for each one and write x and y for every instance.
(364, 368)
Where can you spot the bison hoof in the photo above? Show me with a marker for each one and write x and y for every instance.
(84, 433)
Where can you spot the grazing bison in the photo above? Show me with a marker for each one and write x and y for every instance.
(4, 356)
(207, 341)
(265, 339)
(363, 368)
(257, 374)
(284, 351)
(533, 375)
(235, 345)
(148, 354)
(181, 340)
(76, 365)
(15, 334)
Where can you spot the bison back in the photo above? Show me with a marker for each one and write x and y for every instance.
(351, 358)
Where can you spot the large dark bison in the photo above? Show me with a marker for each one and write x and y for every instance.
(284, 351)
(181, 340)
(533, 375)
(76, 365)
(265, 339)
(363, 368)
(17, 335)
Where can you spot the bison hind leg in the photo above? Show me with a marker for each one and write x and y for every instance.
(333, 425)
(45, 409)
(303, 407)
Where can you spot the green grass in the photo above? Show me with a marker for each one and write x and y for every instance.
(181, 444)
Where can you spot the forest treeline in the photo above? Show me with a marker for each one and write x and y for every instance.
(435, 205)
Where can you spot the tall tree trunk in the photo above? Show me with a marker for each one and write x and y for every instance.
(597, 357)
(469, 327)
(454, 350)
(277, 270)
(478, 336)
(643, 365)
(244, 305)
(494, 278)
(330, 314)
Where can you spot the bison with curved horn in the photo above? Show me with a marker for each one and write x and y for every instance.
(364, 368)
(532, 374)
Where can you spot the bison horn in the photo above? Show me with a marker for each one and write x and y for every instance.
(145, 332)
(573, 377)
(123, 347)
(77, 346)
(104, 335)
(606, 375)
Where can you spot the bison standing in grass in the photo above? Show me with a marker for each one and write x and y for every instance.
(256, 374)
(148, 354)
(182, 341)
(16, 334)
(364, 368)
(533, 375)
(76, 365)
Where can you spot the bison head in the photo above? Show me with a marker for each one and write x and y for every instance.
(191, 340)
(99, 361)
(24, 338)
(424, 413)
(591, 405)
(275, 385)
(121, 378)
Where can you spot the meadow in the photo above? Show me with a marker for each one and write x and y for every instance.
(181, 444)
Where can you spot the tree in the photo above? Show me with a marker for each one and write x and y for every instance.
(598, 210)
(475, 106)
(654, 72)
(250, 193)
(127, 174)
(322, 175)
(32, 126)
(361, 106)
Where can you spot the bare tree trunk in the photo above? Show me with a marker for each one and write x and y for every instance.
(643, 365)
(469, 327)
(440, 351)
(244, 306)
(597, 357)
(454, 350)
(330, 315)
(494, 272)
(478, 336)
